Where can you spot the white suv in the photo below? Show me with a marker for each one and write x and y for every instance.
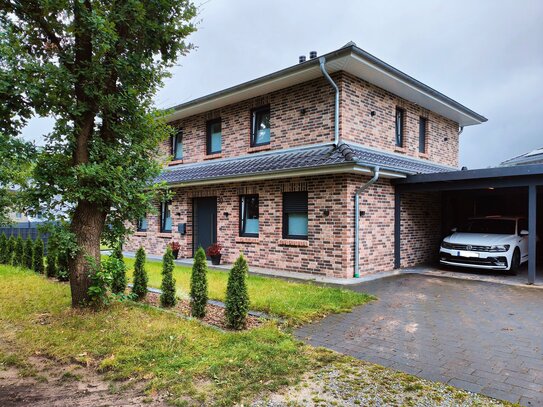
(492, 242)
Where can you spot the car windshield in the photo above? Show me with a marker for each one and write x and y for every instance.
(493, 226)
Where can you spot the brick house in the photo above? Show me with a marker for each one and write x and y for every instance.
(273, 167)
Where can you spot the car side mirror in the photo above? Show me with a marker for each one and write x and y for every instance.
(454, 230)
(524, 232)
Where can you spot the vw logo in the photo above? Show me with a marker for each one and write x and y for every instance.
(469, 247)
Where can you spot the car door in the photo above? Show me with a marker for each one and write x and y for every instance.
(522, 240)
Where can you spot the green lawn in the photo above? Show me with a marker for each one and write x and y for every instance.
(296, 302)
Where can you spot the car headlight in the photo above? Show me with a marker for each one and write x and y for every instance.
(446, 245)
(499, 248)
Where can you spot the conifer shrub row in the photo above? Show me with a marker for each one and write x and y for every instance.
(139, 288)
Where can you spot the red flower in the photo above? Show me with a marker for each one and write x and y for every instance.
(175, 246)
(214, 250)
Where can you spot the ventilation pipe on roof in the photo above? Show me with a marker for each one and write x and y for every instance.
(322, 61)
(357, 219)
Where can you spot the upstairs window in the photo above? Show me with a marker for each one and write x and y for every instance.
(423, 122)
(214, 136)
(165, 217)
(177, 146)
(295, 219)
(400, 121)
(142, 224)
(260, 132)
(248, 215)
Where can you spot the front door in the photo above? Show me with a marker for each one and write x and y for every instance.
(205, 222)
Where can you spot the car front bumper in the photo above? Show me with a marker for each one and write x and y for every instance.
(480, 260)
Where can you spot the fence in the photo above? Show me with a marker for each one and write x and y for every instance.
(25, 229)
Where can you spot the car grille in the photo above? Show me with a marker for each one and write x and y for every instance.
(469, 247)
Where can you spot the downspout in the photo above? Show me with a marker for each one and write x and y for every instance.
(322, 61)
(357, 219)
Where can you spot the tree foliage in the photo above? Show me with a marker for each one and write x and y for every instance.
(198, 284)
(10, 250)
(168, 298)
(237, 297)
(28, 253)
(51, 268)
(93, 65)
(139, 289)
(19, 252)
(38, 256)
(3, 248)
(118, 271)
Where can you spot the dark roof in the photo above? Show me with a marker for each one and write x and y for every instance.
(532, 157)
(312, 157)
(348, 48)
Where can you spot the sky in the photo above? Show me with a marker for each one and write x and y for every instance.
(485, 54)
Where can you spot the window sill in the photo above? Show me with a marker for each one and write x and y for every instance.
(293, 242)
(141, 234)
(257, 149)
(213, 156)
(247, 239)
(165, 235)
(424, 155)
(401, 150)
(175, 162)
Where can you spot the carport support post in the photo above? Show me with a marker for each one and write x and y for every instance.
(397, 228)
(532, 213)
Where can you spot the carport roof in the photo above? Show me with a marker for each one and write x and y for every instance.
(498, 177)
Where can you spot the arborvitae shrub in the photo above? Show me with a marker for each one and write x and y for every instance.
(10, 250)
(18, 253)
(63, 273)
(140, 275)
(198, 284)
(51, 269)
(167, 298)
(29, 253)
(3, 248)
(118, 285)
(237, 298)
(38, 256)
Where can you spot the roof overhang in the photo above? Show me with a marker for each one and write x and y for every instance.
(350, 59)
(332, 169)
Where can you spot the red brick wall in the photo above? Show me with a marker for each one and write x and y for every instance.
(359, 98)
(328, 244)
(420, 228)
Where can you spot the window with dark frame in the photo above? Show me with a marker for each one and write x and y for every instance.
(423, 123)
(248, 215)
(400, 117)
(295, 219)
(142, 224)
(260, 127)
(214, 137)
(177, 145)
(165, 217)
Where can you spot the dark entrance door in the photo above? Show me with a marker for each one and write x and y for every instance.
(205, 222)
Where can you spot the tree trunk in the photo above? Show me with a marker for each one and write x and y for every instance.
(87, 225)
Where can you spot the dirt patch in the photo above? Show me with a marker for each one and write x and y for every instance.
(215, 315)
(42, 382)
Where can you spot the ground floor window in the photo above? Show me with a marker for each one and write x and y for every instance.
(165, 217)
(295, 215)
(142, 224)
(248, 215)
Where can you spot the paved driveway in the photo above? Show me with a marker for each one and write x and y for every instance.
(479, 336)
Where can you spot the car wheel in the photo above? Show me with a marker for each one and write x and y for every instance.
(515, 262)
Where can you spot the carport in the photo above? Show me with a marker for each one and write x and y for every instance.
(516, 190)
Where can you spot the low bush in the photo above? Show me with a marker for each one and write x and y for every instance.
(237, 297)
(51, 268)
(167, 298)
(198, 285)
(38, 256)
(118, 283)
(139, 289)
(63, 274)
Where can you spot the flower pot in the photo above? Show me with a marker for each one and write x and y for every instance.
(216, 260)
(175, 253)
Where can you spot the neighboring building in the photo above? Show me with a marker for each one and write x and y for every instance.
(533, 157)
(271, 167)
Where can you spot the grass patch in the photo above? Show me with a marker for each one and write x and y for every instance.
(128, 340)
(296, 302)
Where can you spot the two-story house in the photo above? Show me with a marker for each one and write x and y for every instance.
(295, 169)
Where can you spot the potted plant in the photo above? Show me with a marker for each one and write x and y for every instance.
(214, 251)
(175, 246)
